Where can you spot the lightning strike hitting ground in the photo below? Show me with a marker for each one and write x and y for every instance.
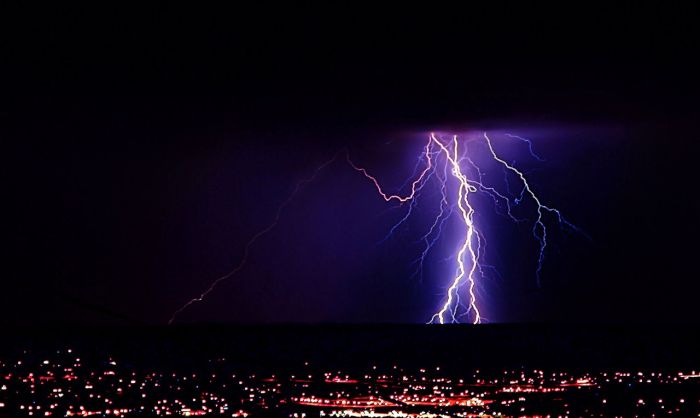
(467, 212)
(470, 267)
(468, 178)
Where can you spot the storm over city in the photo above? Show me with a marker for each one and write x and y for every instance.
(338, 210)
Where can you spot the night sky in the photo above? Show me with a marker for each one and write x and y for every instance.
(142, 148)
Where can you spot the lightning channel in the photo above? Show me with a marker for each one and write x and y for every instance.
(468, 246)
(539, 230)
(246, 250)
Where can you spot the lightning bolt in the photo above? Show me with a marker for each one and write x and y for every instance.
(435, 229)
(423, 181)
(539, 230)
(529, 146)
(414, 185)
(468, 247)
(469, 178)
(471, 241)
(469, 254)
(246, 250)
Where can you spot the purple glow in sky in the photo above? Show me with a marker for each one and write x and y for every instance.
(455, 165)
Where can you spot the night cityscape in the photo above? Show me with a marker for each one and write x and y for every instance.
(65, 386)
(330, 210)
(295, 371)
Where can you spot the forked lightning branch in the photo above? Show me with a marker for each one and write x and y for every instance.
(459, 177)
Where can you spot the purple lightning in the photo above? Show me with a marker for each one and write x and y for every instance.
(539, 230)
(444, 165)
(254, 238)
(470, 181)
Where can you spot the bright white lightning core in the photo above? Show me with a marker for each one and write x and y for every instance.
(470, 267)
(467, 212)
(444, 159)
